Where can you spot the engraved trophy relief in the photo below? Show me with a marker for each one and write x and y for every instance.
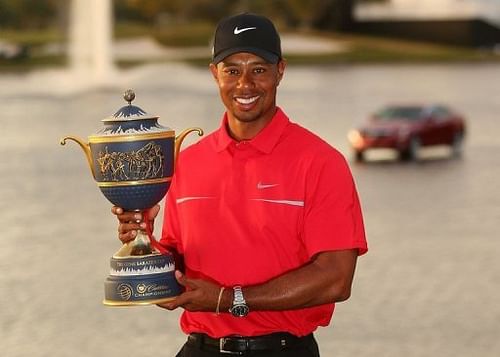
(142, 164)
(132, 159)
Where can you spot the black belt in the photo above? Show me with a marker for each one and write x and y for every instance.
(238, 344)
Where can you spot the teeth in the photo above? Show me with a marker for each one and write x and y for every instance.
(246, 100)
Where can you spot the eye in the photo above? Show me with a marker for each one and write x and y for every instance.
(231, 71)
(259, 70)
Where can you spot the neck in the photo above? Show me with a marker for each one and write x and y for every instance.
(243, 131)
(246, 130)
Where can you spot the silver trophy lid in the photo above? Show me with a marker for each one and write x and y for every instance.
(129, 112)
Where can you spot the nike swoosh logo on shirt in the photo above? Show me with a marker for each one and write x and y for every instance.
(281, 202)
(261, 186)
(192, 198)
(237, 31)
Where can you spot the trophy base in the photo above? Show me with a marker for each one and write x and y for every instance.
(136, 303)
(141, 280)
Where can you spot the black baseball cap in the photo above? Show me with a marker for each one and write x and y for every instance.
(246, 33)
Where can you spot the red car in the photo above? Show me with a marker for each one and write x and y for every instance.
(406, 128)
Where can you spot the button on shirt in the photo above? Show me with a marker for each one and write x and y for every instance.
(245, 212)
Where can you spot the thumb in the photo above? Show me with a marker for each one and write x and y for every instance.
(181, 278)
(153, 212)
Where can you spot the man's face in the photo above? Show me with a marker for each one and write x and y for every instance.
(247, 85)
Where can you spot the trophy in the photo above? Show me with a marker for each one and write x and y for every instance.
(132, 159)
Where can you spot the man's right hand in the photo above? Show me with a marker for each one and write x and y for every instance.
(130, 222)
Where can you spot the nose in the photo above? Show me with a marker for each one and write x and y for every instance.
(246, 79)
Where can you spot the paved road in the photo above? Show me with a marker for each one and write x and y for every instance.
(428, 287)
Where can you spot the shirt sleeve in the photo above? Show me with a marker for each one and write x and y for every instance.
(332, 218)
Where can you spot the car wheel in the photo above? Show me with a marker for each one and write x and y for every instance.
(457, 144)
(359, 156)
(411, 152)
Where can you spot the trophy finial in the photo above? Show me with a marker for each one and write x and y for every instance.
(129, 96)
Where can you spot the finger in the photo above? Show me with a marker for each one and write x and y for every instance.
(126, 216)
(127, 237)
(153, 212)
(168, 305)
(116, 210)
(128, 227)
(132, 216)
(181, 278)
(181, 300)
(172, 304)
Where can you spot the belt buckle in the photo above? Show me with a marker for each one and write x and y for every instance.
(222, 342)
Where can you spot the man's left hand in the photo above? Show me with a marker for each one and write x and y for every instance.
(200, 295)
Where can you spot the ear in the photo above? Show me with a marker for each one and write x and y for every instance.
(281, 69)
(215, 74)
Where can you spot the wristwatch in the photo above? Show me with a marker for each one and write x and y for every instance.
(239, 307)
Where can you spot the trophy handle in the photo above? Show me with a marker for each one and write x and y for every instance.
(179, 138)
(85, 147)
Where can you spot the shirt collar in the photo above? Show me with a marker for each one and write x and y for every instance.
(264, 141)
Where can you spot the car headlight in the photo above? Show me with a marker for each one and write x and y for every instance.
(355, 138)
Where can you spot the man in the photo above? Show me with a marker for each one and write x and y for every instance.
(264, 214)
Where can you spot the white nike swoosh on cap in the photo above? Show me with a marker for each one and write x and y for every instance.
(237, 31)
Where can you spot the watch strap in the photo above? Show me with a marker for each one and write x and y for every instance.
(238, 297)
(239, 307)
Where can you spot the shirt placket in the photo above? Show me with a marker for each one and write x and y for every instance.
(237, 194)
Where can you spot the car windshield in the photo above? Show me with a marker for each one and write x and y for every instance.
(391, 113)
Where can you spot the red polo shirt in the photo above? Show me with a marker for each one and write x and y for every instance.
(244, 213)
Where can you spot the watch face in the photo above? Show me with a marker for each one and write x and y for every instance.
(239, 310)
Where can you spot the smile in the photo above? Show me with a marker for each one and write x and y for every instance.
(246, 101)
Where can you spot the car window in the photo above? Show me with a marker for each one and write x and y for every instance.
(440, 112)
(392, 113)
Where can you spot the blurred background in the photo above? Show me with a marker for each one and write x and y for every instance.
(429, 285)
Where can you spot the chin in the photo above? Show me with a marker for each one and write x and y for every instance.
(247, 116)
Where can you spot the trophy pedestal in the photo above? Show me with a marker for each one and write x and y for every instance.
(141, 280)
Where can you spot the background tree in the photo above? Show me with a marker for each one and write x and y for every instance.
(336, 15)
(27, 14)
